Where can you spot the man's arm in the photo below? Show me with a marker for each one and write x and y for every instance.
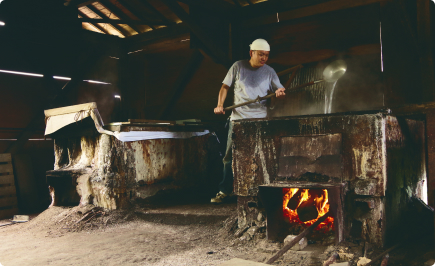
(221, 99)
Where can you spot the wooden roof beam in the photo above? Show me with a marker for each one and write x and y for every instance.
(132, 11)
(93, 23)
(171, 31)
(215, 50)
(112, 8)
(113, 21)
(116, 26)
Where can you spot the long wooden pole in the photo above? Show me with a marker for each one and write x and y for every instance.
(298, 238)
(272, 94)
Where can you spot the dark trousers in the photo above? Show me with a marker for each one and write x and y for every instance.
(226, 186)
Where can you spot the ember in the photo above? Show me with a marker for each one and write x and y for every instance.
(305, 206)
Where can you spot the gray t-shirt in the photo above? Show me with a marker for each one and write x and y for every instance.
(249, 83)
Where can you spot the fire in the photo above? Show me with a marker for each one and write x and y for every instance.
(308, 198)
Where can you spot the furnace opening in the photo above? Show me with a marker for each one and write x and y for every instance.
(303, 207)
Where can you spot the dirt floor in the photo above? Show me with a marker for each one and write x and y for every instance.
(165, 234)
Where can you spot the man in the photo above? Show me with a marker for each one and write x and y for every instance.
(250, 78)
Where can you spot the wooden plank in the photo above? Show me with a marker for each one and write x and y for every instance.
(8, 202)
(308, 11)
(83, 17)
(6, 168)
(7, 179)
(8, 213)
(5, 157)
(116, 21)
(7, 191)
(120, 14)
(166, 32)
(115, 25)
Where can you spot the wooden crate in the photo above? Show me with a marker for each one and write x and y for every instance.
(8, 193)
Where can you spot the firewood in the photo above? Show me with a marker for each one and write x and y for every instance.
(299, 237)
(294, 201)
(307, 211)
(331, 259)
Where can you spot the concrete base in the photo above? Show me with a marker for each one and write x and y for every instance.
(240, 262)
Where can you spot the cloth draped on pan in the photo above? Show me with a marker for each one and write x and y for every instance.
(58, 118)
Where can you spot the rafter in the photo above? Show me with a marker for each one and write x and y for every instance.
(113, 9)
(136, 14)
(154, 35)
(113, 21)
(93, 23)
(116, 26)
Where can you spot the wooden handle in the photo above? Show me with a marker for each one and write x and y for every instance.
(271, 95)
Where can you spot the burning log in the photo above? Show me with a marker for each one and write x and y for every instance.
(299, 237)
(294, 201)
(307, 210)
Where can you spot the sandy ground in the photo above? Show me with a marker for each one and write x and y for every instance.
(190, 234)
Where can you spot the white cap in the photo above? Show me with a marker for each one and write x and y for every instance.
(260, 44)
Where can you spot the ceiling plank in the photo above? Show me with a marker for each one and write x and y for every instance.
(78, 3)
(323, 7)
(112, 8)
(175, 30)
(93, 23)
(216, 51)
(113, 21)
(159, 37)
(180, 84)
(116, 26)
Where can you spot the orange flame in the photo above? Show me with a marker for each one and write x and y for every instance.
(321, 202)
